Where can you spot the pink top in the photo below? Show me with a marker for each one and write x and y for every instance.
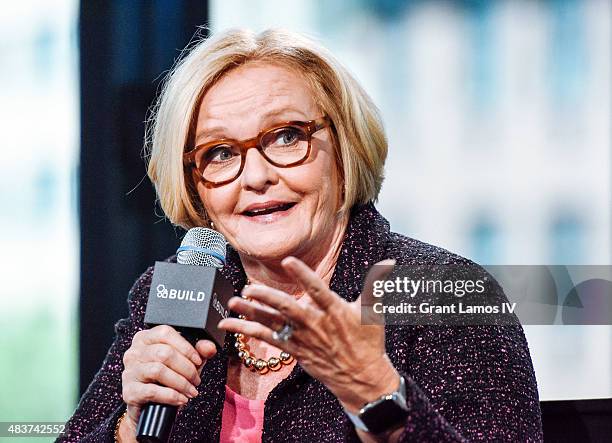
(242, 418)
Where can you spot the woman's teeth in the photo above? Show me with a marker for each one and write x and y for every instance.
(269, 210)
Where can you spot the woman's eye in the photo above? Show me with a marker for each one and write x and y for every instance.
(219, 154)
(287, 136)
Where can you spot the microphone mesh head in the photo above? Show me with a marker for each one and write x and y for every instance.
(202, 247)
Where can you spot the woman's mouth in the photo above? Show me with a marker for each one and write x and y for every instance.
(269, 213)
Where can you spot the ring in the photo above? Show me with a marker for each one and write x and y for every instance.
(284, 334)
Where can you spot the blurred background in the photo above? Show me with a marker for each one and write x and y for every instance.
(498, 117)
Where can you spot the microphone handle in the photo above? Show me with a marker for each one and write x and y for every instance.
(156, 419)
(155, 423)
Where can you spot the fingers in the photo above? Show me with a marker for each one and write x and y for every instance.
(139, 394)
(161, 366)
(254, 311)
(257, 330)
(377, 273)
(174, 360)
(156, 372)
(286, 305)
(310, 282)
(168, 335)
(247, 327)
(206, 349)
(137, 375)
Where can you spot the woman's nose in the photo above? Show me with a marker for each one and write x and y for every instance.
(257, 172)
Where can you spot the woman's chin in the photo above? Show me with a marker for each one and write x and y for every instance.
(272, 249)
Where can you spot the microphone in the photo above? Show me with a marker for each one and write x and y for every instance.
(190, 296)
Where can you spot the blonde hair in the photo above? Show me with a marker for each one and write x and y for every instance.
(360, 141)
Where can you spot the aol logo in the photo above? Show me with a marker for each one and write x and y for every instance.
(162, 292)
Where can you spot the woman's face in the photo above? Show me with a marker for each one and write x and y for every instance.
(244, 102)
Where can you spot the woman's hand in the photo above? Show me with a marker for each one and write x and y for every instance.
(329, 340)
(161, 367)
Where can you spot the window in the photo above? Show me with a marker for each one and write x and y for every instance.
(38, 221)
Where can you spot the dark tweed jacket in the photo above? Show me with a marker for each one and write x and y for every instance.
(463, 383)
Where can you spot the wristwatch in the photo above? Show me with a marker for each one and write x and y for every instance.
(383, 414)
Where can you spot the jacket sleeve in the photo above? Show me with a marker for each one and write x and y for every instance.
(101, 405)
(471, 383)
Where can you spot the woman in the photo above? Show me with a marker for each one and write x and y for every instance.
(297, 211)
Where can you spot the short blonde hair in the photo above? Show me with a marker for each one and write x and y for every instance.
(359, 138)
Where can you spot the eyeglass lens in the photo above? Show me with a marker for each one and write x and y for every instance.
(280, 146)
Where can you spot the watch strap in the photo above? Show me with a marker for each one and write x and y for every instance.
(400, 394)
(359, 424)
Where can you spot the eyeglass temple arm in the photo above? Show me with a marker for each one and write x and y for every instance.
(322, 123)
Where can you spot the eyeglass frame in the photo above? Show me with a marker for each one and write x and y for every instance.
(310, 127)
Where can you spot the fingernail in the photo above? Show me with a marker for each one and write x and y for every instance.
(193, 391)
(196, 359)
(286, 260)
(183, 399)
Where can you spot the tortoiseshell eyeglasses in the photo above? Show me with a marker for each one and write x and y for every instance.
(284, 145)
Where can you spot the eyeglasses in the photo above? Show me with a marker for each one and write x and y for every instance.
(284, 145)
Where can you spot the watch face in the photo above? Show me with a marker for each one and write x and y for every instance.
(383, 416)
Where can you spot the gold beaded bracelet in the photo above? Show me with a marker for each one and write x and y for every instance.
(118, 425)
